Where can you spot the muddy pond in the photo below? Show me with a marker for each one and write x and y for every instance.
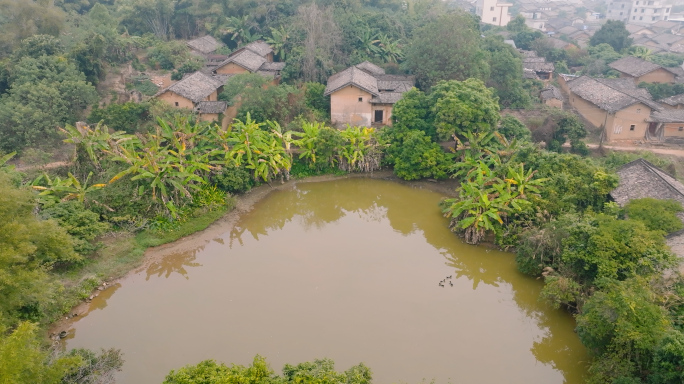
(347, 269)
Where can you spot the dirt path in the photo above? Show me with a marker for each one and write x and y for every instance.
(660, 151)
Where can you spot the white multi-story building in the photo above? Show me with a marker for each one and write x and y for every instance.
(649, 11)
(493, 12)
(619, 9)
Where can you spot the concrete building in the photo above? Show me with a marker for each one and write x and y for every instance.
(649, 11)
(363, 95)
(618, 9)
(493, 12)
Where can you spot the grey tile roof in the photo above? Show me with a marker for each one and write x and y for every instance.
(567, 30)
(387, 98)
(558, 43)
(370, 68)
(538, 64)
(246, 59)
(195, 87)
(667, 38)
(272, 66)
(668, 116)
(551, 92)
(352, 76)
(673, 100)
(211, 107)
(259, 47)
(634, 66)
(205, 44)
(395, 83)
(610, 94)
(530, 74)
(386, 89)
(640, 179)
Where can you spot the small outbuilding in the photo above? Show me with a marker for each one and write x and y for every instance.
(552, 97)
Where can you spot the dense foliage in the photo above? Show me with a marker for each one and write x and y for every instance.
(259, 372)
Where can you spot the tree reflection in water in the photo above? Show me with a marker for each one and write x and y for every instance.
(174, 262)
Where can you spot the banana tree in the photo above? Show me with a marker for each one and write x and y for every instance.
(4, 159)
(307, 142)
(278, 41)
(70, 188)
(360, 151)
(95, 141)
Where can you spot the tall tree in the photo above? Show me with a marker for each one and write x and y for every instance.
(148, 15)
(613, 33)
(447, 49)
(320, 40)
(20, 19)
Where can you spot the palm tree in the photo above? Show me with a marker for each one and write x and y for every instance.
(389, 51)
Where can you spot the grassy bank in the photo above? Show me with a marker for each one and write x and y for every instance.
(122, 252)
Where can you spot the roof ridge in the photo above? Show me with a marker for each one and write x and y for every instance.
(655, 170)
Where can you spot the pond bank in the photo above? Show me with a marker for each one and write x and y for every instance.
(132, 254)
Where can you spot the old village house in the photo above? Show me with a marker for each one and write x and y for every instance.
(363, 95)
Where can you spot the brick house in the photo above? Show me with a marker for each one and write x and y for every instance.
(255, 57)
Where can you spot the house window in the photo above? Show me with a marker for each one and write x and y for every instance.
(641, 17)
(360, 99)
(681, 129)
(378, 116)
(638, 110)
(642, 10)
(493, 18)
(620, 13)
(176, 103)
(617, 129)
(633, 17)
(667, 10)
(631, 127)
(637, 3)
(652, 18)
(491, 8)
(650, 3)
(623, 6)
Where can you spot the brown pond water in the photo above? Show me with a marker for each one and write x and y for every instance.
(346, 269)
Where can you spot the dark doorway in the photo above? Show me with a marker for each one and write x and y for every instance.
(652, 127)
(378, 116)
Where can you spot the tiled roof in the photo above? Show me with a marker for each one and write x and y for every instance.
(370, 68)
(386, 89)
(246, 59)
(634, 66)
(551, 92)
(214, 107)
(259, 47)
(667, 38)
(272, 66)
(667, 116)
(674, 100)
(352, 76)
(530, 74)
(195, 87)
(567, 30)
(538, 64)
(205, 44)
(395, 83)
(610, 94)
(639, 179)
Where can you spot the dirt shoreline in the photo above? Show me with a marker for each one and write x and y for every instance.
(244, 204)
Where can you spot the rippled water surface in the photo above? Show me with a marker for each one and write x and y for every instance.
(346, 269)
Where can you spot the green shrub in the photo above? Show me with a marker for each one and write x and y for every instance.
(657, 215)
(126, 117)
(233, 180)
(82, 224)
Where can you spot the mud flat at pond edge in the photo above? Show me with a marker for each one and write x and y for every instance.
(347, 269)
